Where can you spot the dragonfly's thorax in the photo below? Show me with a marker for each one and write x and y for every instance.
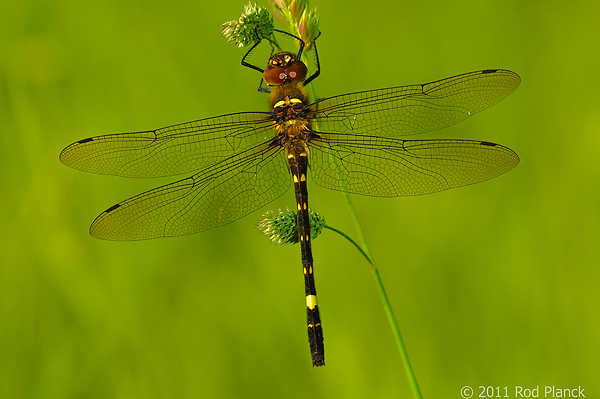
(291, 117)
(288, 93)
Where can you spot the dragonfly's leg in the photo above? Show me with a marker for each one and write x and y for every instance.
(318, 71)
(260, 86)
(249, 65)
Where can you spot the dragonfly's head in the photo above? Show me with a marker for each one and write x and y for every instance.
(284, 67)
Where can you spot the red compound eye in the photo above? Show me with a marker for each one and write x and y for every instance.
(274, 76)
(297, 72)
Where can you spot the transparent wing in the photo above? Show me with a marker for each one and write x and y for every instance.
(171, 150)
(406, 110)
(213, 197)
(389, 167)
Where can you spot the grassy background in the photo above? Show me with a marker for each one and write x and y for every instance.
(494, 284)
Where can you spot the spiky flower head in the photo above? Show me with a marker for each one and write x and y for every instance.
(296, 15)
(254, 24)
(281, 227)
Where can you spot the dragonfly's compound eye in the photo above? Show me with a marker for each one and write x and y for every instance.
(274, 76)
(297, 71)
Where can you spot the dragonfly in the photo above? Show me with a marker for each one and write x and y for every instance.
(243, 161)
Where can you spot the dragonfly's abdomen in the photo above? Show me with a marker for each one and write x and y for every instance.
(288, 103)
(297, 157)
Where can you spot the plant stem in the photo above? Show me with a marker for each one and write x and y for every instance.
(364, 249)
(384, 299)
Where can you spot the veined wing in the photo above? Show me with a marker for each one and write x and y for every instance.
(389, 167)
(406, 110)
(171, 150)
(217, 195)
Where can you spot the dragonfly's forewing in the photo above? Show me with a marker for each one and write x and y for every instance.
(171, 150)
(414, 109)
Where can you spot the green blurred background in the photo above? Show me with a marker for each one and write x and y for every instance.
(494, 284)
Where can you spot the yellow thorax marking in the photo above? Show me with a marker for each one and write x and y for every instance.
(287, 101)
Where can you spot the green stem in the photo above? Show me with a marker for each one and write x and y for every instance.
(351, 241)
(396, 332)
(273, 41)
(364, 250)
(357, 226)
(384, 299)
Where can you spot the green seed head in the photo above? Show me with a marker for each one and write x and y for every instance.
(281, 227)
(254, 24)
